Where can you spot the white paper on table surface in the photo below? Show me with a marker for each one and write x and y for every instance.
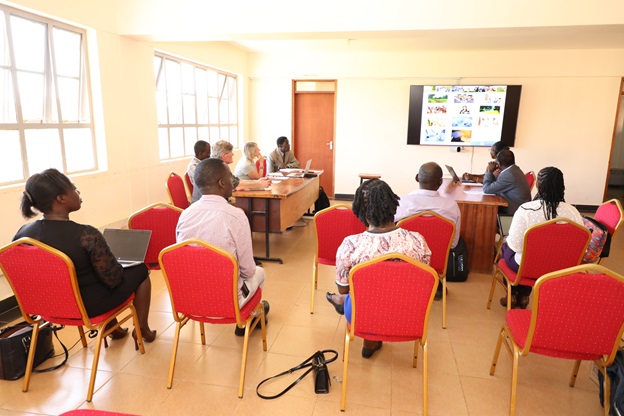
(476, 191)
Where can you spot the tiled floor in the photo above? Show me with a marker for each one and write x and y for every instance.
(206, 377)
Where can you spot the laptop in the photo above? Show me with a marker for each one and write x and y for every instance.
(456, 178)
(128, 246)
(305, 174)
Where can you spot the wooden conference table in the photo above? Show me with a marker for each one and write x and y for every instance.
(275, 210)
(478, 222)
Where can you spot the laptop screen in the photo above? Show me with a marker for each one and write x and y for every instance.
(453, 174)
(307, 167)
(128, 245)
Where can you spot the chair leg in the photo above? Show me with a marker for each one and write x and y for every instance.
(425, 379)
(314, 283)
(202, 332)
(444, 302)
(508, 297)
(489, 303)
(499, 342)
(263, 327)
(31, 356)
(575, 370)
(137, 328)
(343, 399)
(514, 382)
(83, 339)
(415, 356)
(606, 388)
(96, 360)
(244, 359)
(174, 353)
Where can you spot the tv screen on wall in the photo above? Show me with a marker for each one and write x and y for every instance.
(463, 115)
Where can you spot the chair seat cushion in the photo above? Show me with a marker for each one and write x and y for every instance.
(326, 261)
(512, 276)
(244, 312)
(93, 319)
(385, 337)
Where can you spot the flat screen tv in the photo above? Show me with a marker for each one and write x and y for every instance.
(463, 115)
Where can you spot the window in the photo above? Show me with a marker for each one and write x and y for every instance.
(45, 107)
(194, 102)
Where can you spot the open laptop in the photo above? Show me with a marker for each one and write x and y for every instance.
(456, 178)
(304, 174)
(128, 246)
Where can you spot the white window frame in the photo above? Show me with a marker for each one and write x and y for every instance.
(189, 123)
(52, 118)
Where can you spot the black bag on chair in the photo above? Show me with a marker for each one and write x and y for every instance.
(457, 267)
(322, 201)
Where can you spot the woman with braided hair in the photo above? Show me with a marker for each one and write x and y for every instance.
(549, 203)
(375, 205)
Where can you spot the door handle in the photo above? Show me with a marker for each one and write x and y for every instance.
(330, 144)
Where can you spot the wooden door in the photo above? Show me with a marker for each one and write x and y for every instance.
(313, 132)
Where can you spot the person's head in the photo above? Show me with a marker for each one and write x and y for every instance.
(551, 190)
(429, 176)
(505, 158)
(374, 203)
(202, 149)
(45, 190)
(251, 151)
(497, 147)
(223, 150)
(283, 144)
(213, 177)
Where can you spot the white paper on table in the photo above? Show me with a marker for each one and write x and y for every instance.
(476, 191)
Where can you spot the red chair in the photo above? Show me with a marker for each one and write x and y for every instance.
(44, 282)
(530, 177)
(438, 233)
(549, 246)
(391, 298)
(331, 226)
(162, 219)
(189, 184)
(577, 314)
(203, 286)
(176, 191)
(264, 170)
(609, 214)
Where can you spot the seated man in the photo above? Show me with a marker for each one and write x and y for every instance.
(213, 220)
(282, 157)
(505, 179)
(427, 198)
(202, 151)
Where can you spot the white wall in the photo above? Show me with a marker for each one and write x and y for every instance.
(567, 110)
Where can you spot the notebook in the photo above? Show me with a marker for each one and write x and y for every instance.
(456, 178)
(304, 174)
(128, 246)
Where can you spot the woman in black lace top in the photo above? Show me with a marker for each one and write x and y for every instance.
(103, 283)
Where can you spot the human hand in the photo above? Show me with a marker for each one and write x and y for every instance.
(492, 166)
(466, 176)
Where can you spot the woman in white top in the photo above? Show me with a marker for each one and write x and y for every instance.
(246, 166)
(549, 203)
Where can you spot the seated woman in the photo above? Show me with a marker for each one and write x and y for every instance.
(246, 166)
(375, 205)
(549, 203)
(103, 283)
(494, 149)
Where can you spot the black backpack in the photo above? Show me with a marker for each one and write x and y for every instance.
(615, 372)
(322, 201)
(457, 266)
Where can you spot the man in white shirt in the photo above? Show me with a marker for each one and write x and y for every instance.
(214, 220)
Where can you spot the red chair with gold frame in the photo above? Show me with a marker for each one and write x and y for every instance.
(576, 314)
(610, 214)
(177, 191)
(189, 184)
(44, 282)
(531, 178)
(162, 220)
(263, 173)
(331, 226)
(391, 298)
(438, 233)
(203, 286)
(548, 246)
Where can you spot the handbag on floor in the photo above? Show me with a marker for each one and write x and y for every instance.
(317, 363)
(14, 347)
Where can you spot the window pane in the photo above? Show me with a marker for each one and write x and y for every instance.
(224, 133)
(157, 63)
(10, 157)
(232, 110)
(223, 111)
(176, 141)
(43, 150)
(174, 93)
(67, 52)
(213, 87)
(161, 106)
(188, 80)
(189, 109)
(202, 134)
(29, 39)
(79, 153)
(163, 143)
(7, 97)
(190, 137)
(214, 134)
(4, 43)
(31, 95)
(213, 111)
(234, 136)
(69, 95)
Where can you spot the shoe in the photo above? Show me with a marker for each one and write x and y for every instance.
(338, 306)
(438, 294)
(258, 262)
(370, 347)
(148, 336)
(118, 333)
(240, 332)
(517, 302)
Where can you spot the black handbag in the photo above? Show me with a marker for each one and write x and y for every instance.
(14, 347)
(317, 363)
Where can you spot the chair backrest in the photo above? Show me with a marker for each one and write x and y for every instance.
(530, 177)
(264, 170)
(438, 233)
(391, 297)
(189, 184)
(552, 245)
(202, 280)
(43, 280)
(162, 219)
(176, 191)
(610, 215)
(331, 226)
(578, 311)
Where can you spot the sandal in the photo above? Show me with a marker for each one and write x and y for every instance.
(338, 306)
